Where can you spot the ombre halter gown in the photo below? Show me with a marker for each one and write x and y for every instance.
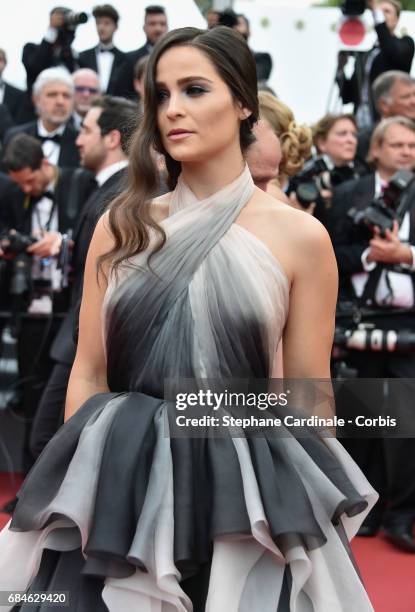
(167, 524)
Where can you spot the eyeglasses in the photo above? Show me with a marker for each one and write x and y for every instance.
(84, 89)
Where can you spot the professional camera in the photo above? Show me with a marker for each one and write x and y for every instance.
(71, 19)
(13, 243)
(368, 338)
(390, 207)
(308, 182)
(353, 8)
(316, 176)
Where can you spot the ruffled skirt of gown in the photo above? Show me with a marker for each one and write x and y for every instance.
(128, 519)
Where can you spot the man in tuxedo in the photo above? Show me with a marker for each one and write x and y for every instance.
(53, 94)
(378, 273)
(102, 142)
(393, 94)
(10, 96)
(104, 58)
(155, 25)
(54, 49)
(51, 207)
(87, 89)
(389, 53)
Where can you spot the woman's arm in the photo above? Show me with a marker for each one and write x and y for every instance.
(89, 375)
(308, 333)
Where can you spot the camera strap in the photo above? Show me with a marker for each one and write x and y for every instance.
(368, 296)
(45, 227)
(406, 203)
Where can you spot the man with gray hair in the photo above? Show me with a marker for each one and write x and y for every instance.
(53, 97)
(393, 94)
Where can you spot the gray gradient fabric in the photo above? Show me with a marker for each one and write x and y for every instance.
(149, 512)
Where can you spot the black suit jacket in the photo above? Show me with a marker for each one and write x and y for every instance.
(348, 241)
(395, 54)
(69, 154)
(38, 57)
(13, 99)
(11, 198)
(6, 121)
(124, 85)
(88, 59)
(64, 346)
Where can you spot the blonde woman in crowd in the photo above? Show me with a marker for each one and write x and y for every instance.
(295, 139)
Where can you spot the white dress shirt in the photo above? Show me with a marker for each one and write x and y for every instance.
(51, 149)
(105, 60)
(103, 175)
(400, 283)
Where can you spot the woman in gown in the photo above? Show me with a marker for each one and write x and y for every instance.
(117, 512)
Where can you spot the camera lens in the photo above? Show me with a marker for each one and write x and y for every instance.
(307, 193)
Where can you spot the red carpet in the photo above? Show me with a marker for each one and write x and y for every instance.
(388, 574)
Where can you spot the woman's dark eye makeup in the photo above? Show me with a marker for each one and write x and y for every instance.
(195, 90)
(161, 95)
(190, 90)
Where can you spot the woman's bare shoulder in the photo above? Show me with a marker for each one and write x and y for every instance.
(295, 225)
(296, 238)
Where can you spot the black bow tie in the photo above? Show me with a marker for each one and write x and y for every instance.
(108, 49)
(50, 195)
(56, 138)
(34, 200)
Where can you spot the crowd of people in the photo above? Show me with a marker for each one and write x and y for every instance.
(65, 157)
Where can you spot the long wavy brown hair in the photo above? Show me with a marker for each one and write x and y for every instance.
(129, 215)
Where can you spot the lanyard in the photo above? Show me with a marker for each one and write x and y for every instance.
(46, 227)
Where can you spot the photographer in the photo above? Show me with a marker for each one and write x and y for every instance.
(377, 276)
(389, 53)
(38, 282)
(393, 94)
(55, 48)
(335, 141)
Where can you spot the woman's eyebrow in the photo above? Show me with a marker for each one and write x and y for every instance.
(185, 80)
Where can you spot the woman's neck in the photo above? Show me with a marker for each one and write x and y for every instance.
(208, 177)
